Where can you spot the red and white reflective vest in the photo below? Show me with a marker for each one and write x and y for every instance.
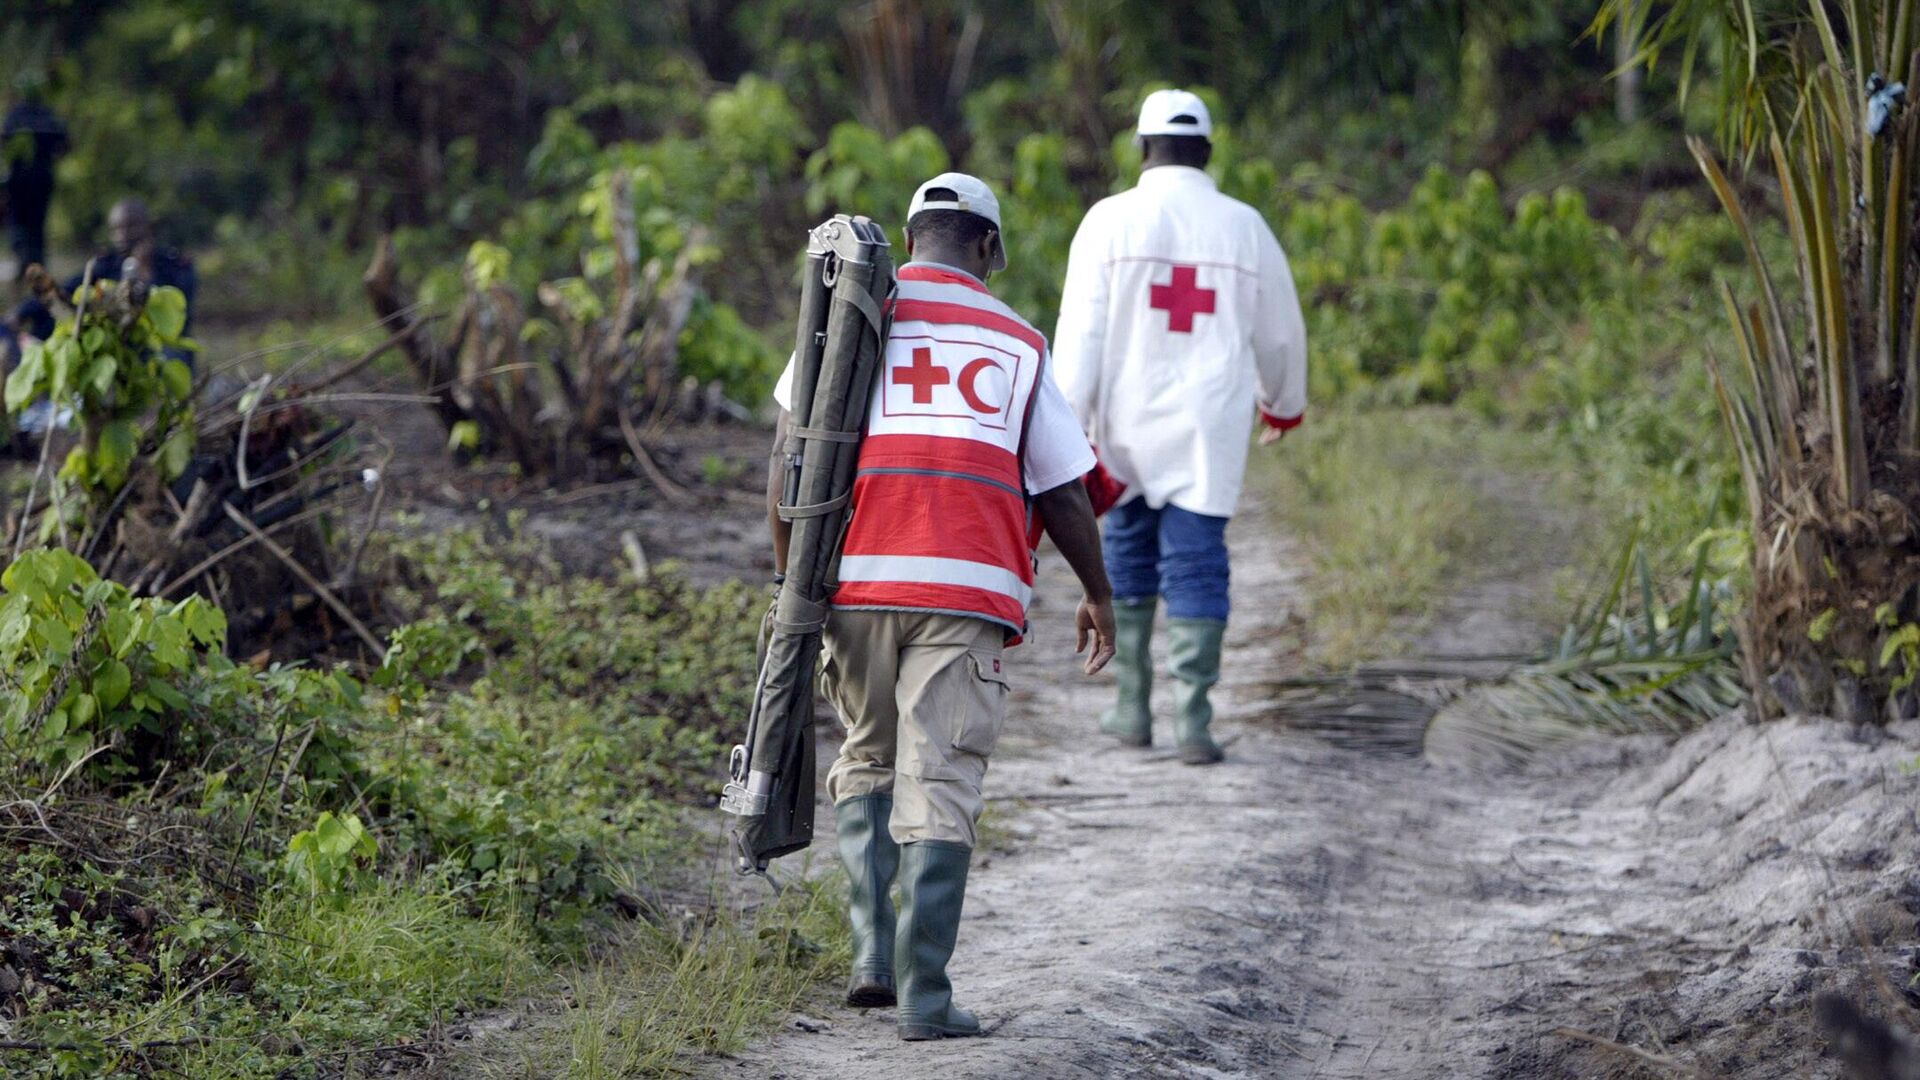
(939, 501)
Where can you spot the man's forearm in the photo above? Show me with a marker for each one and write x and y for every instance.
(1069, 521)
(776, 487)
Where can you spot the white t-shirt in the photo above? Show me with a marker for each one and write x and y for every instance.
(1057, 451)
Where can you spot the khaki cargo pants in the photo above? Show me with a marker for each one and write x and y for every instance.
(923, 698)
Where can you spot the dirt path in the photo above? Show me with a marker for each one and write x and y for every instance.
(1306, 911)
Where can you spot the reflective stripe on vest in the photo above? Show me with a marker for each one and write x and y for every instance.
(931, 570)
(939, 507)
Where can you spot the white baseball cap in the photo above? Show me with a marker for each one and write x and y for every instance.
(971, 194)
(1174, 112)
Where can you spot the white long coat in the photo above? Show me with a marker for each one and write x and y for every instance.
(1179, 318)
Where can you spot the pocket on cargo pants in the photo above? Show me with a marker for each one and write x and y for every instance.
(953, 700)
(952, 719)
(979, 728)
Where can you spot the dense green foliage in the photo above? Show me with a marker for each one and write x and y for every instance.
(1502, 277)
(584, 703)
(351, 860)
(357, 115)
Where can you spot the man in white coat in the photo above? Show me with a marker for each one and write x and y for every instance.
(1178, 322)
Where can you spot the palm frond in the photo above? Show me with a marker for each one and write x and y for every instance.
(1617, 668)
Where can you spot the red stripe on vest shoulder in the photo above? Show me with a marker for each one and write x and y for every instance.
(912, 272)
(940, 311)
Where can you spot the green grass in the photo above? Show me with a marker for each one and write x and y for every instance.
(377, 968)
(1384, 521)
(342, 988)
(670, 990)
(1399, 507)
(300, 982)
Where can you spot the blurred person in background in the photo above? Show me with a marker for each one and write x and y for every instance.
(32, 139)
(134, 255)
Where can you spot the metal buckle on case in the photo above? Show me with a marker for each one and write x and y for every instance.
(747, 793)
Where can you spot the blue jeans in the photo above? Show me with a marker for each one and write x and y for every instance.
(1168, 552)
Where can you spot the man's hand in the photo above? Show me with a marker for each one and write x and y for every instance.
(1271, 435)
(1094, 622)
(1068, 518)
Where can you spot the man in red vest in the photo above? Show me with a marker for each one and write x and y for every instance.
(966, 437)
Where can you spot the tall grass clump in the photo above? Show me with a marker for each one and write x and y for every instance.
(1399, 509)
(674, 990)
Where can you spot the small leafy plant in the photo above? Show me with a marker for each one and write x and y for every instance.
(130, 400)
(331, 856)
(1899, 649)
(87, 662)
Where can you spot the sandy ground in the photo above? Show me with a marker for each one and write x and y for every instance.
(1315, 912)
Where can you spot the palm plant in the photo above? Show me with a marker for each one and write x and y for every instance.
(1823, 399)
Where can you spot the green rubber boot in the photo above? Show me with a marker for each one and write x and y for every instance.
(933, 882)
(871, 858)
(1130, 720)
(1195, 666)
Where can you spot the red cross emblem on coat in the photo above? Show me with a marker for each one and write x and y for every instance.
(1182, 299)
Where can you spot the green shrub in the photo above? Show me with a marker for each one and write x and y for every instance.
(331, 856)
(106, 364)
(558, 718)
(702, 197)
(1041, 210)
(88, 663)
(1444, 293)
(131, 686)
(718, 346)
(860, 171)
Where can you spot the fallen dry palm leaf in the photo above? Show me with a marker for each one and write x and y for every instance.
(1660, 669)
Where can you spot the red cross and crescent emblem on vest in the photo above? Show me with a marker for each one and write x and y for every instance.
(981, 381)
(1182, 299)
